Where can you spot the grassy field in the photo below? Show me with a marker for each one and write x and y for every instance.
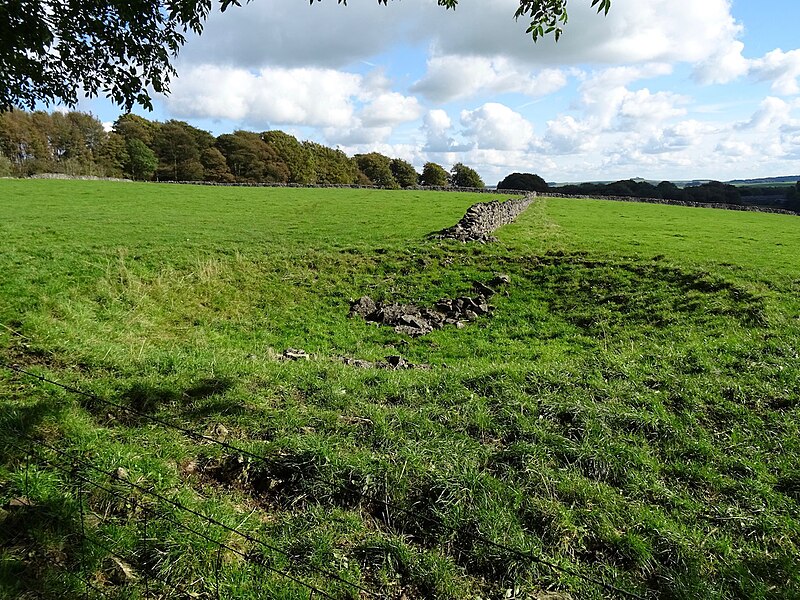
(628, 415)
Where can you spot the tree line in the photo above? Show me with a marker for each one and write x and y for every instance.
(76, 143)
(712, 192)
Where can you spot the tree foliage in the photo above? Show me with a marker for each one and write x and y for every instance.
(523, 181)
(52, 48)
(434, 175)
(377, 168)
(793, 197)
(63, 142)
(77, 144)
(250, 159)
(463, 176)
(178, 152)
(299, 159)
(331, 166)
(215, 167)
(404, 173)
(142, 161)
(711, 192)
(113, 155)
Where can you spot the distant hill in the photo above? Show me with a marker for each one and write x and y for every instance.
(788, 179)
(766, 180)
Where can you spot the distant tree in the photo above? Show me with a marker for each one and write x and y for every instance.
(361, 178)
(404, 173)
(132, 126)
(434, 175)
(793, 197)
(623, 188)
(6, 168)
(112, 155)
(142, 161)
(523, 181)
(64, 140)
(24, 141)
(215, 168)
(297, 157)
(176, 147)
(713, 192)
(464, 176)
(88, 131)
(250, 159)
(331, 166)
(377, 169)
(669, 191)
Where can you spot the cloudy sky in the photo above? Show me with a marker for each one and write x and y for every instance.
(661, 89)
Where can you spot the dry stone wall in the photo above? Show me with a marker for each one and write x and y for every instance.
(484, 218)
(717, 205)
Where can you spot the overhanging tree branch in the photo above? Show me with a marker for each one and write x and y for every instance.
(53, 50)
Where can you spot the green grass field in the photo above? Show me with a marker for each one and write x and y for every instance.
(629, 414)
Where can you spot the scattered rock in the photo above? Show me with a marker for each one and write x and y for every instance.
(19, 502)
(295, 354)
(357, 363)
(397, 363)
(483, 289)
(500, 279)
(363, 307)
(220, 432)
(390, 362)
(118, 572)
(415, 321)
(120, 473)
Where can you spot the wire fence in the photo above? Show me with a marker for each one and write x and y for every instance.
(86, 476)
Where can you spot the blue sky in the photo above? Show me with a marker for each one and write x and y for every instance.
(661, 89)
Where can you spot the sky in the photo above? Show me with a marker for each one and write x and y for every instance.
(659, 89)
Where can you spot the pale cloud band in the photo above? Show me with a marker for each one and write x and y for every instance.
(616, 94)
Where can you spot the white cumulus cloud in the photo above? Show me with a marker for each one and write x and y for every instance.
(495, 126)
(451, 77)
(781, 68)
(314, 97)
(391, 108)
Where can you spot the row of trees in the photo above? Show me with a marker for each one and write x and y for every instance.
(711, 192)
(793, 197)
(76, 143)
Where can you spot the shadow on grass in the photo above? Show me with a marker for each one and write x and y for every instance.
(41, 547)
(145, 399)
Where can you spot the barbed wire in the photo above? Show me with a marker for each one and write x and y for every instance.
(183, 508)
(519, 554)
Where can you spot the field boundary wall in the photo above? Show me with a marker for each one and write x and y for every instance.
(667, 202)
(527, 193)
